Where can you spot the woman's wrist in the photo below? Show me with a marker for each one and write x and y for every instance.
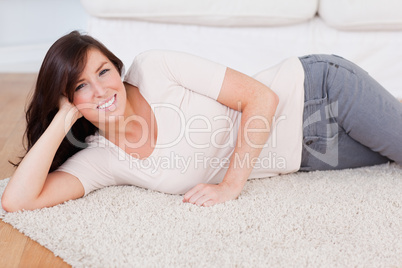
(234, 188)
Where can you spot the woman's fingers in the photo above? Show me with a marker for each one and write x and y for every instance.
(191, 192)
(201, 194)
(202, 199)
(70, 111)
(195, 194)
(210, 194)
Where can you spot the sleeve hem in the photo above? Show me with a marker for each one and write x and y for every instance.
(217, 79)
(85, 185)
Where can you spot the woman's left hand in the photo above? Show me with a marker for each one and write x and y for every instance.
(210, 194)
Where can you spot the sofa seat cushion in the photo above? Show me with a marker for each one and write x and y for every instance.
(362, 14)
(207, 12)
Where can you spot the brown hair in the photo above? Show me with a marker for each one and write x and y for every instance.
(58, 75)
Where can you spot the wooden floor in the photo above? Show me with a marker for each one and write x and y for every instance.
(17, 250)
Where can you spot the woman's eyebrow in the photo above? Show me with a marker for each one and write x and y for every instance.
(97, 70)
(100, 67)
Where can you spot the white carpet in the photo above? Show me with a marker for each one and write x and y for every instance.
(343, 218)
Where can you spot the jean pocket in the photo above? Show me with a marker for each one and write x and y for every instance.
(320, 152)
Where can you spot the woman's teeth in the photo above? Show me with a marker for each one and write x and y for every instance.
(107, 104)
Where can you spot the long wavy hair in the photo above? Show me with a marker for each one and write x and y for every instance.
(61, 68)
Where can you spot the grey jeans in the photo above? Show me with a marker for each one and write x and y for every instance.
(350, 120)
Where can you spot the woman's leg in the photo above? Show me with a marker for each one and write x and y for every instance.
(350, 120)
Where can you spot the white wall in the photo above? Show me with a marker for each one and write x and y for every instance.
(29, 27)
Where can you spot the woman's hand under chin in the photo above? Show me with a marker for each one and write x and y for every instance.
(69, 111)
(210, 194)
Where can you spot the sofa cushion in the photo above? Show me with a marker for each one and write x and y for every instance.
(207, 12)
(362, 14)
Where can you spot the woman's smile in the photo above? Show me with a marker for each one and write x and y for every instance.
(108, 104)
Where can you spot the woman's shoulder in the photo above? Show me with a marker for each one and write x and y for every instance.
(151, 70)
(142, 66)
(150, 58)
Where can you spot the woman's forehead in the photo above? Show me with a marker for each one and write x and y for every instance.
(95, 58)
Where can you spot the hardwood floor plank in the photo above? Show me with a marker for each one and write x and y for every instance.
(12, 245)
(12, 148)
(35, 256)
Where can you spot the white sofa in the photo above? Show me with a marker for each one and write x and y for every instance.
(251, 35)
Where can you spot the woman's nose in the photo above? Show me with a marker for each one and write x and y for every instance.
(99, 89)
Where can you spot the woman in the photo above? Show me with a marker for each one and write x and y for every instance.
(184, 125)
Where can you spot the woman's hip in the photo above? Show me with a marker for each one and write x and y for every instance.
(334, 105)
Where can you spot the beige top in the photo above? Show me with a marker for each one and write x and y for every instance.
(196, 134)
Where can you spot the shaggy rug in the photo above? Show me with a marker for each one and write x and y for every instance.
(349, 218)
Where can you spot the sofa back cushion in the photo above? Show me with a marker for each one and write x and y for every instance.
(362, 14)
(207, 12)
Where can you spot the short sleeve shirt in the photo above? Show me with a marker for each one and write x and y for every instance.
(196, 133)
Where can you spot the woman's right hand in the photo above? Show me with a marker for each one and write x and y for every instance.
(69, 111)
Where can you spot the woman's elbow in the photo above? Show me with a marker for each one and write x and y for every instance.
(11, 203)
(7, 204)
(273, 101)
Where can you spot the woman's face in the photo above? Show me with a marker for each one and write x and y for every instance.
(100, 94)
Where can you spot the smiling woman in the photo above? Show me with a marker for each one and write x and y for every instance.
(181, 124)
(54, 81)
(100, 88)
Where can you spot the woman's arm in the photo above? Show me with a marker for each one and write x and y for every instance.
(31, 185)
(258, 104)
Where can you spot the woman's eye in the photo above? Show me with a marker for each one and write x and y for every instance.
(79, 87)
(104, 71)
